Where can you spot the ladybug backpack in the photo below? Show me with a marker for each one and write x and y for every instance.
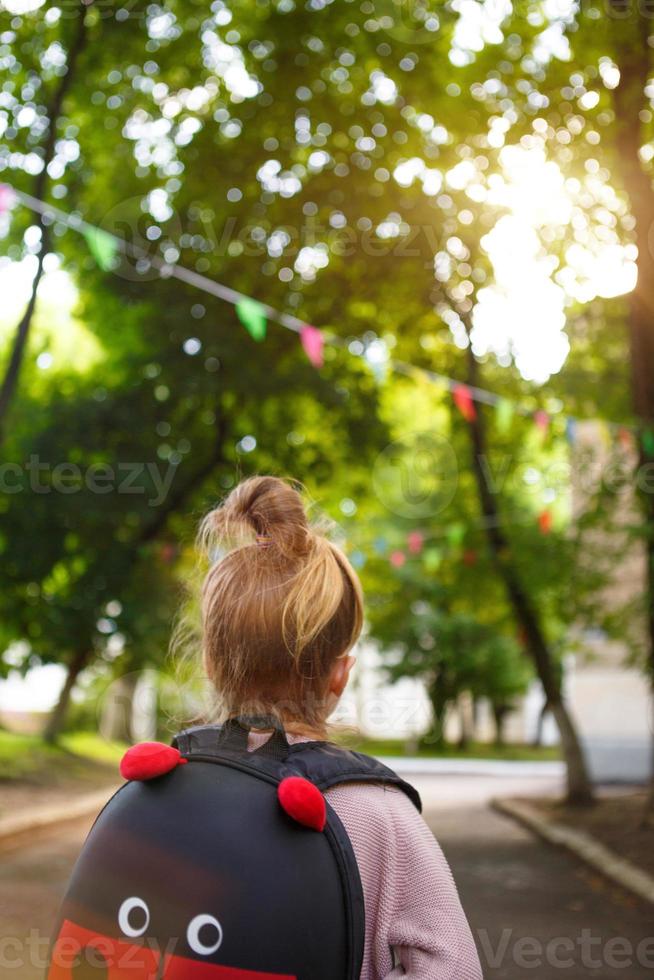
(216, 863)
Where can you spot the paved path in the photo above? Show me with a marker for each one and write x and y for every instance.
(514, 888)
(32, 881)
(536, 912)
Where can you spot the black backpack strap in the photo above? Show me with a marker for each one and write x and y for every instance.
(232, 737)
(323, 763)
(329, 765)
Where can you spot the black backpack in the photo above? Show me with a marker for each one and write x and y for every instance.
(200, 874)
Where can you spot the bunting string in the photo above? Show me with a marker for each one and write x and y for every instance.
(431, 547)
(254, 315)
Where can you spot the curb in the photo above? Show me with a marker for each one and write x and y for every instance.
(582, 845)
(48, 817)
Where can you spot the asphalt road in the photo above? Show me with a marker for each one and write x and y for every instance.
(535, 911)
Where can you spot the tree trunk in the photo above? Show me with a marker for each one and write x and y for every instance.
(12, 372)
(118, 708)
(500, 712)
(439, 708)
(474, 719)
(633, 57)
(540, 724)
(464, 733)
(466, 720)
(56, 720)
(147, 534)
(579, 787)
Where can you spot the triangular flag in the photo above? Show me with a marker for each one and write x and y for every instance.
(625, 437)
(397, 559)
(456, 533)
(7, 198)
(415, 541)
(102, 246)
(542, 420)
(313, 342)
(648, 441)
(571, 430)
(432, 559)
(253, 317)
(463, 400)
(504, 411)
(168, 552)
(545, 521)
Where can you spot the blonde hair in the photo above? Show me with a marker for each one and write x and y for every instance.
(279, 605)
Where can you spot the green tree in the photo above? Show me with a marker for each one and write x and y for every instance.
(586, 102)
(424, 479)
(319, 158)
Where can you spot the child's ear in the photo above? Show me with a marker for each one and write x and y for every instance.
(340, 675)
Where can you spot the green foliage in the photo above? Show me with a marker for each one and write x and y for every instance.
(474, 750)
(83, 757)
(259, 145)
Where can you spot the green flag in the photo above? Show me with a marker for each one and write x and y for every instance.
(432, 559)
(102, 246)
(456, 533)
(253, 317)
(648, 441)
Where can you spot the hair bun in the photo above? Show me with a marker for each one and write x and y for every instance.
(269, 507)
(276, 614)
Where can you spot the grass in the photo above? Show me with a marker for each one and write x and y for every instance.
(476, 750)
(93, 747)
(85, 757)
(79, 756)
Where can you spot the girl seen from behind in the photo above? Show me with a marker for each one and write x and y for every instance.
(281, 612)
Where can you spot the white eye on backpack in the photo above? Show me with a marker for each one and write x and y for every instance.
(131, 924)
(212, 930)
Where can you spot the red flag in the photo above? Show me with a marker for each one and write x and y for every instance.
(545, 521)
(542, 420)
(397, 559)
(6, 198)
(626, 438)
(415, 541)
(463, 400)
(313, 342)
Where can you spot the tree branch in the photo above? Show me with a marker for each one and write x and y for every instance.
(12, 371)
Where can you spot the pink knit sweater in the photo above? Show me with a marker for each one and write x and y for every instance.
(415, 926)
